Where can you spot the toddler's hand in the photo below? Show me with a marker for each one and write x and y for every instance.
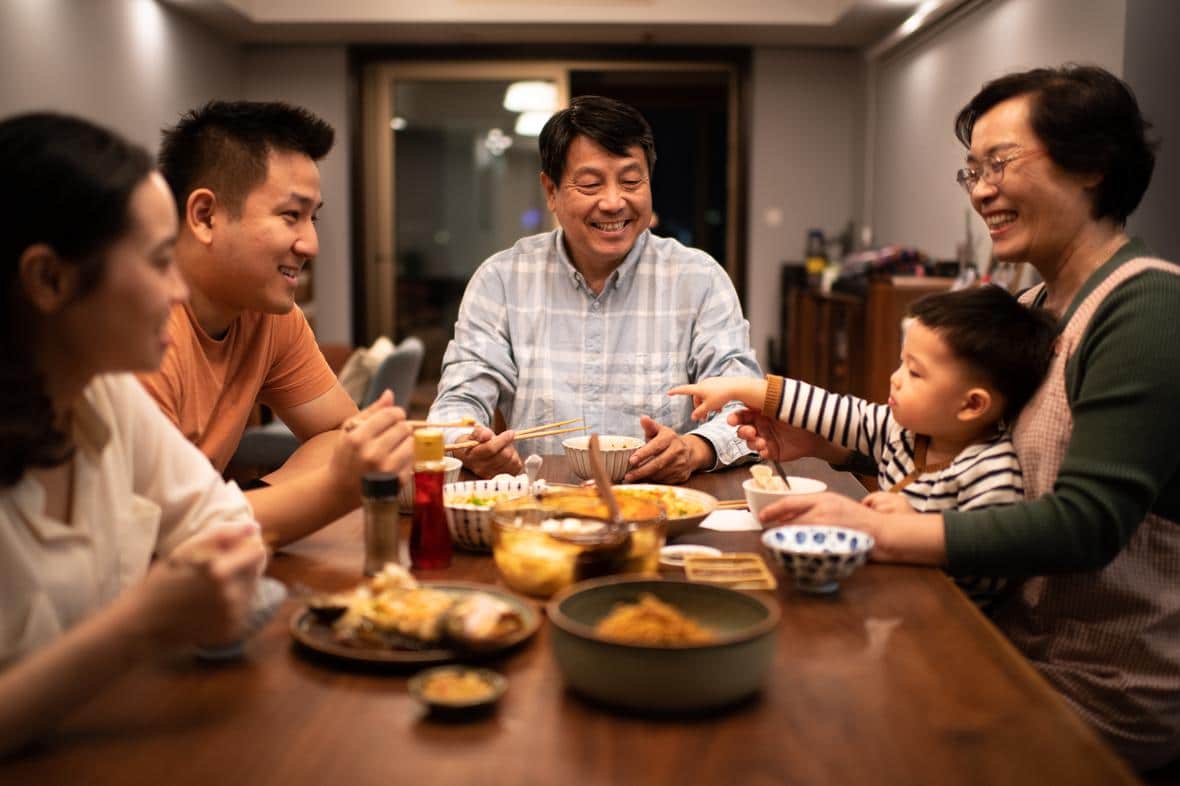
(885, 502)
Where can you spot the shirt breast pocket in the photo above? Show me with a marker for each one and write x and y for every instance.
(653, 375)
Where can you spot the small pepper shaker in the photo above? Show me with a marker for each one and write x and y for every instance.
(382, 523)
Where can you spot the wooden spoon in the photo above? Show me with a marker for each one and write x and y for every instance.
(602, 482)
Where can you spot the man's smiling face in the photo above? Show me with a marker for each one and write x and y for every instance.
(603, 203)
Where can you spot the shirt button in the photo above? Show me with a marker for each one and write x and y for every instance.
(594, 306)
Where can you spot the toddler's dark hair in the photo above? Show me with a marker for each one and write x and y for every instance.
(989, 330)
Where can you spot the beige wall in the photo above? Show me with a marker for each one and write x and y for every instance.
(317, 78)
(806, 133)
(132, 65)
(913, 152)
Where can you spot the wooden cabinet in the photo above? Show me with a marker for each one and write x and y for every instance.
(850, 343)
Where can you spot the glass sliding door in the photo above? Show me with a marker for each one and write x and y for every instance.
(456, 179)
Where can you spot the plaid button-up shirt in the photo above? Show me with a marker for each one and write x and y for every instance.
(535, 341)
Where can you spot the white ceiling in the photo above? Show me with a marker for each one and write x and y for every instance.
(826, 23)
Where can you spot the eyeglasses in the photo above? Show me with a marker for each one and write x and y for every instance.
(991, 171)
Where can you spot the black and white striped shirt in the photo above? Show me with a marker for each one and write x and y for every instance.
(983, 474)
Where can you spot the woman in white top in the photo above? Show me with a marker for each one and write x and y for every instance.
(100, 498)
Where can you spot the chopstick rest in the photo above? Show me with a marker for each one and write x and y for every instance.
(736, 570)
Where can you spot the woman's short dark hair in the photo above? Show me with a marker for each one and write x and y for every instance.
(225, 146)
(1008, 344)
(612, 124)
(67, 183)
(1088, 120)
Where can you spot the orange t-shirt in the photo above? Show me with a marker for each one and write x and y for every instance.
(207, 387)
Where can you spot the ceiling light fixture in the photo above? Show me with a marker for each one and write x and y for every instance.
(531, 96)
(531, 123)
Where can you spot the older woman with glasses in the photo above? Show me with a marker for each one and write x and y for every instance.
(1057, 159)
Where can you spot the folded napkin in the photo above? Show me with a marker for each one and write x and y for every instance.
(731, 521)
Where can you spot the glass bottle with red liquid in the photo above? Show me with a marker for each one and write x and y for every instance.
(430, 540)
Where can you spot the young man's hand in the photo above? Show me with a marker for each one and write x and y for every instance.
(376, 439)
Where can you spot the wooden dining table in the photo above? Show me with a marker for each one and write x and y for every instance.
(894, 679)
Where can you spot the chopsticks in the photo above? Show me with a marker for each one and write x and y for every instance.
(415, 424)
(732, 504)
(544, 430)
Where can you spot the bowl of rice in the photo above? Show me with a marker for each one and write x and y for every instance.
(469, 506)
(662, 646)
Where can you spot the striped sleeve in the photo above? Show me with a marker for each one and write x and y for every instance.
(847, 421)
(989, 476)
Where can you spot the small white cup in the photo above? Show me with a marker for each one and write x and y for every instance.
(405, 494)
(758, 498)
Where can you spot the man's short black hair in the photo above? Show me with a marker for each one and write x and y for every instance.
(1008, 344)
(1089, 122)
(225, 145)
(612, 124)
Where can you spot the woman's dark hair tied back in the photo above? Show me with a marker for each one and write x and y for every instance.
(1089, 122)
(67, 185)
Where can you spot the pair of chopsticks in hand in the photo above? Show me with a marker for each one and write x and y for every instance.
(544, 430)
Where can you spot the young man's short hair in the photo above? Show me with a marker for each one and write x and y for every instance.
(1008, 344)
(225, 145)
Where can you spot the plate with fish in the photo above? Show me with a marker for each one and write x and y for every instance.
(394, 619)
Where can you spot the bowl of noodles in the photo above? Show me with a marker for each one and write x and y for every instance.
(662, 646)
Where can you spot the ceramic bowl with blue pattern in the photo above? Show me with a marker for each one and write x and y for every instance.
(818, 556)
(469, 508)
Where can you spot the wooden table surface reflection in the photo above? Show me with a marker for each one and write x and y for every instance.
(895, 679)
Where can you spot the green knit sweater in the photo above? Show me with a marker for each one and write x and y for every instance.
(1123, 461)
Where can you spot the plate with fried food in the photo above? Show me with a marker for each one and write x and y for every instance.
(393, 618)
(684, 508)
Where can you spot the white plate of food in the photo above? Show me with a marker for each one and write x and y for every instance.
(685, 508)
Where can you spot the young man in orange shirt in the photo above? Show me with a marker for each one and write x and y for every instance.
(247, 187)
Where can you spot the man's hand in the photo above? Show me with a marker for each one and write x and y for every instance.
(667, 457)
(773, 439)
(376, 439)
(494, 454)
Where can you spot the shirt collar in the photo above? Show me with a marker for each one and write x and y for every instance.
(91, 431)
(625, 268)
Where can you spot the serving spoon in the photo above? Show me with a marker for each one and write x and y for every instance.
(602, 483)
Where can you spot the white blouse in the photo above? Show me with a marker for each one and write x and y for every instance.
(139, 489)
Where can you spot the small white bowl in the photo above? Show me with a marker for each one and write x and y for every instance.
(758, 498)
(616, 451)
(471, 525)
(405, 494)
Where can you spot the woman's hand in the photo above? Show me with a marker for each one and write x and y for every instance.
(917, 538)
(773, 439)
(200, 594)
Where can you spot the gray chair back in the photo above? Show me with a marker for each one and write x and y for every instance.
(398, 372)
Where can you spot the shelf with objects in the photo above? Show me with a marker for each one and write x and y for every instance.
(846, 337)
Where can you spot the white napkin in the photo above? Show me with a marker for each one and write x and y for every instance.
(731, 521)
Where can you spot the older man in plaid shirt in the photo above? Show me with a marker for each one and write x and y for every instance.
(599, 318)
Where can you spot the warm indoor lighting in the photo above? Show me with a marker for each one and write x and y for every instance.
(398, 124)
(531, 97)
(531, 123)
(919, 16)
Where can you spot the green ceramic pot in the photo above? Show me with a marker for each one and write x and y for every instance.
(664, 678)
